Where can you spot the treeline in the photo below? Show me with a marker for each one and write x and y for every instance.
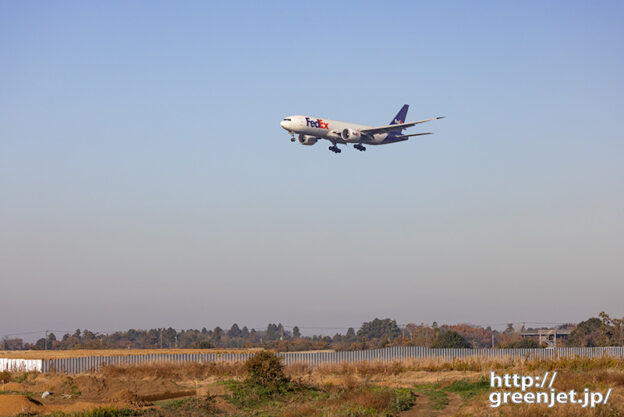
(378, 333)
(598, 331)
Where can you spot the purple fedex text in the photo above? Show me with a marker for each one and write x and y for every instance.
(316, 123)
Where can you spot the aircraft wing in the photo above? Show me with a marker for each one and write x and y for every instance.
(390, 128)
(413, 134)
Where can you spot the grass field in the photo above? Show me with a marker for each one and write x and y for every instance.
(402, 389)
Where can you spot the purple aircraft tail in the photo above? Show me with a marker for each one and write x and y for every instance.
(401, 115)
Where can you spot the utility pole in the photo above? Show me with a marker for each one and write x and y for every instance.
(45, 341)
(492, 339)
(555, 337)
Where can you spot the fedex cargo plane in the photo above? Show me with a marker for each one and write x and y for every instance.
(311, 129)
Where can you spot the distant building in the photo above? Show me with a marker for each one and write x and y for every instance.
(549, 337)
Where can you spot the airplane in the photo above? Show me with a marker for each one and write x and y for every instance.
(311, 129)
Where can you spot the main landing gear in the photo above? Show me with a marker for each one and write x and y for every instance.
(335, 149)
(359, 147)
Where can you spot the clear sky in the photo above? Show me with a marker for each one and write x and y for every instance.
(145, 180)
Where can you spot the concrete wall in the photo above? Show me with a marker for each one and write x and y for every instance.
(21, 365)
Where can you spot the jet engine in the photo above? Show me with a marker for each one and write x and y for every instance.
(350, 135)
(307, 140)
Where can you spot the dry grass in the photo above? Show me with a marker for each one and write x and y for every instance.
(378, 400)
(579, 364)
(176, 371)
(556, 411)
(301, 410)
(365, 369)
(604, 370)
(609, 377)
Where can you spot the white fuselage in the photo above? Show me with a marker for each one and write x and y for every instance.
(329, 129)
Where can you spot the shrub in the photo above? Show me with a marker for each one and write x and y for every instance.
(265, 369)
(5, 376)
(265, 380)
(402, 399)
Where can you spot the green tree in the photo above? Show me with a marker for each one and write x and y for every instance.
(587, 333)
(378, 328)
(245, 332)
(523, 344)
(234, 331)
(450, 339)
(272, 332)
(218, 334)
(350, 334)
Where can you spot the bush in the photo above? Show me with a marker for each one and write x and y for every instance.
(5, 376)
(265, 369)
(265, 380)
(402, 399)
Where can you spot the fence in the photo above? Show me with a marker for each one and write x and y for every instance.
(93, 363)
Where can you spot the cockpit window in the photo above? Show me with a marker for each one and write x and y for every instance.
(287, 120)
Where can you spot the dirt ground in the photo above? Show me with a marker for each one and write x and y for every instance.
(83, 392)
(87, 391)
(140, 387)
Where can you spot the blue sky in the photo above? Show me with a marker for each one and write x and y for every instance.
(145, 180)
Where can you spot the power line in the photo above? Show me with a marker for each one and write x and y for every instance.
(22, 333)
(34, 332)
